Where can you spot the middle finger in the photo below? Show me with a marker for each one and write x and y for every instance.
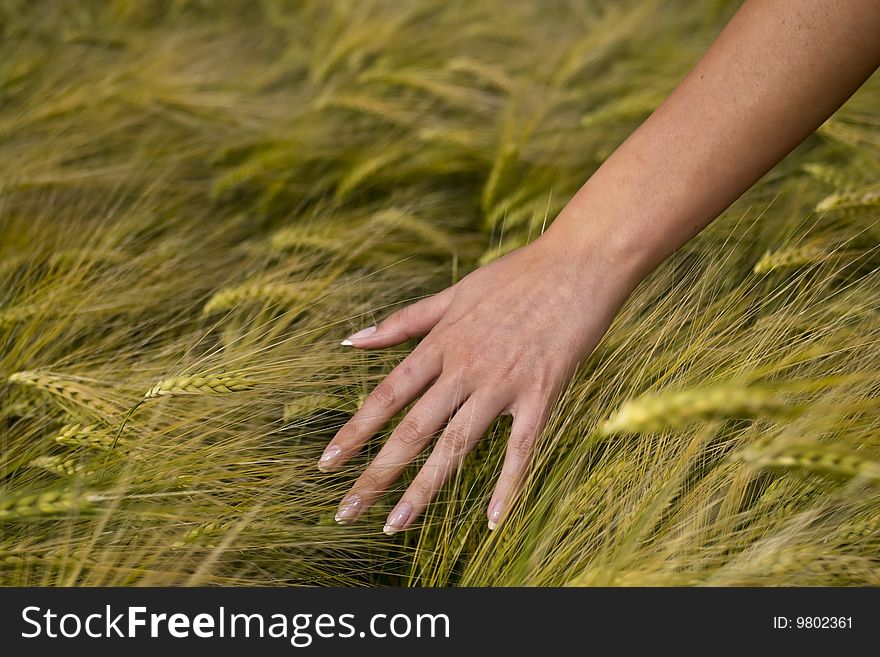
(409, 438)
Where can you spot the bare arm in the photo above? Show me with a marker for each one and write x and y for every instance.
(776, 72)
(507, 338)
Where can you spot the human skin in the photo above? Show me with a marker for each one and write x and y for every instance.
(508, 337)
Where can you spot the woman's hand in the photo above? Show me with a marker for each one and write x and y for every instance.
(505, 340)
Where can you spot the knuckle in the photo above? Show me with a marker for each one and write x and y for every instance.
(383, 471)
(369, 482)
(409, 432)
(456, 438)
(384, 394)
(401, 317)
(417, 360)
(522, 446)
(469, 362)
(420, 489)
(471, 358)
(351, 432)
(542, 385)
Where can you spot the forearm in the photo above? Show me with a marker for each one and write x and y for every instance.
(778, 70)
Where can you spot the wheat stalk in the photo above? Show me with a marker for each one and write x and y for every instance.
(842, 131)
(509, 245)
(397, 219)
(366, 168)
(27, 407)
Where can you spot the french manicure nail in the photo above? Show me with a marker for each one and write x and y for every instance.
(363, 333)
(494, 514)
(397, 518)
(329, 457)
(349, 509)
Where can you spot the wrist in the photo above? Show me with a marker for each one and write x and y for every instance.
(596, 231)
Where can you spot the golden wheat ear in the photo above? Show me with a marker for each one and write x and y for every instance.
(212, 384)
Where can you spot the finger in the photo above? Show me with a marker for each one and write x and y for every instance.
(412, 321)
(407, 440)
(528, 422)
(395, 391)
(458, 439)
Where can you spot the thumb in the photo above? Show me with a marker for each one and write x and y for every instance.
(414, 320)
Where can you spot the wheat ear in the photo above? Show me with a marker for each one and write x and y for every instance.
(786, 258)
(848, 201)
(63, 388)
(654, 412)
(197, 384)
(314, 403)
(51, 502)
(272, 293)
(63, 466)
(816, 458)
(828, 175)
(202, 532)
(85, 435)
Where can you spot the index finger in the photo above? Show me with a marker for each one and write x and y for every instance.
(400, 387)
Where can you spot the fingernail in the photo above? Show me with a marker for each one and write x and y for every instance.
(494, 514)
(397, 518)
(363, 333)
(329, 457)
(348, 510)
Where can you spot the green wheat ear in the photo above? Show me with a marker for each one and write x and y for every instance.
(315, 403)
(65, 388)
(864, 199)
(63, 466)
(16, 314)
(658, 411)
(830, 176)
(791, 257)
(269, 293)
(45, 503)
(218, 384)
(818, 458)
(93, 436)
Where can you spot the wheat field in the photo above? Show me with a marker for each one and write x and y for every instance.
(199, 200)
